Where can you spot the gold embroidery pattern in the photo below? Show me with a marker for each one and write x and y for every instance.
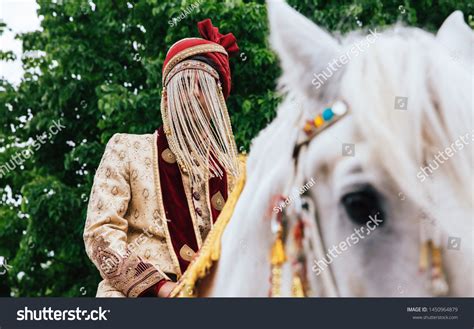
(211, 249)
(133, 212)
(191, 65)
(192, 211)
(122, 219)
(202, 202)
(127, 273)
(218, 201)
(156, 178)
(199, 49)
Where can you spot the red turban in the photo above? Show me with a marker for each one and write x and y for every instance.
(215, 46)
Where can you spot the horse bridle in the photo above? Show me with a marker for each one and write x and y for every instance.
(280, 222)
(430, 251)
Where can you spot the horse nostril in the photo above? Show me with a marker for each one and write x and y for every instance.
(360, 205)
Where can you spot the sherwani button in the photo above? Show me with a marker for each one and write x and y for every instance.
(199, 211)
(168, 156)
(196, 196)
(186, 253)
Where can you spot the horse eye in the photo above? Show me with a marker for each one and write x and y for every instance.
(362, 204)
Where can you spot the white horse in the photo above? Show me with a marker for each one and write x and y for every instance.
(382, 173)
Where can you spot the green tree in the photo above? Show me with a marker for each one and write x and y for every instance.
(100, 73)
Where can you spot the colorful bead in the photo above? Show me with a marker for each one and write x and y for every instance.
(318, 121)
(339, 108)
(328, 114)
(308, 127)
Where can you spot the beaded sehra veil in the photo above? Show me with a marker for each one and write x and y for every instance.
(196, 121)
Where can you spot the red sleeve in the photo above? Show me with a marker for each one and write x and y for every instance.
(153, 290)
(159, 285)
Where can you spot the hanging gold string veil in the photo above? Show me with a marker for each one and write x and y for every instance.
(196, 121)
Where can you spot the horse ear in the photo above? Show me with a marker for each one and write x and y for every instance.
(303, 47)
(457, 37)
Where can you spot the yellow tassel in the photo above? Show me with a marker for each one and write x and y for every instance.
(297, 287)
(277, 259)
(278, 256)
(436, 259)
(424, 256)
(276, 281)
(439, 284)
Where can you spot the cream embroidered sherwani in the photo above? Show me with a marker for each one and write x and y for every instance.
(126, 234)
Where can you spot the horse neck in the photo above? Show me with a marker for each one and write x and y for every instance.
(243, 267)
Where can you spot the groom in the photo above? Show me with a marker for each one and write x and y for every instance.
(156, 197)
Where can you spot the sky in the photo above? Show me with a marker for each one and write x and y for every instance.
(20, 16)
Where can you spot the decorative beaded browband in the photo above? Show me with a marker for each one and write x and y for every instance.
(320, 122)
(325, 119)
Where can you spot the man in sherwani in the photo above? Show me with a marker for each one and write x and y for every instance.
(155, 197)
